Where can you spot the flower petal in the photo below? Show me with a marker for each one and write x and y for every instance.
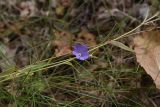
(78, 57)
(74, 53)
(80, 47)
(80, 51)
(85, 55)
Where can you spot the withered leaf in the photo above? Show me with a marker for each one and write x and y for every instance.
(86, 37)
(147, 49)
(62, 43)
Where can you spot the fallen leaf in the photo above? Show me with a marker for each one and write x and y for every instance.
(86, 37)
(62, 43)
(147, 49)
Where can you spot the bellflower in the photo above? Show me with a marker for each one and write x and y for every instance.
(80, 51)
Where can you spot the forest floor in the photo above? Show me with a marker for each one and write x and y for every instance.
(38, 69)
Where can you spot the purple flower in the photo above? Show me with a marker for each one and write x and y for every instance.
(80, 51)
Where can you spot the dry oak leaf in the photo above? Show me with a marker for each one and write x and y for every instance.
(147, 49)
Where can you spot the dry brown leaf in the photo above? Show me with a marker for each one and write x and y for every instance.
(147, 49)
(86, 37)
(62, 43)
